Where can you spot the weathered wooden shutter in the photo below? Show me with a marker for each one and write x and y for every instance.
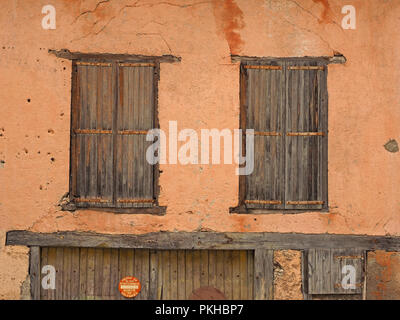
(265, 114)
(285, 102)
(306, 136)
(93, 95)
(134, 175)
(112, 110)
(328, 268)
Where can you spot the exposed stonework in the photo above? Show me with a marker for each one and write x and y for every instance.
(14, 261)
(383, 275)
(287, 275)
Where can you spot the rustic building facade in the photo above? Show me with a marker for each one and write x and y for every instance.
(85, 80)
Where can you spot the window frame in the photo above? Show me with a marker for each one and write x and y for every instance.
(241, 208)
(69, 204)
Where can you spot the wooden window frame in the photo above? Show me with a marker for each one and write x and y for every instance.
(266, 63)
(115, 60)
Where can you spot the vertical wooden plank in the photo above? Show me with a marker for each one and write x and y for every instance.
(67, 270)
(122, 267)
(174, 274)
(189, 278)
(220, 270)
(114, 274)
(91, 256)
(59, 273)
(203, 268)
(243, 125)
(212, 268)
(196, 269)
(98, 273)
(106, 275)
(250, 276)
(136, 270)
(34, 272)
(160, 289)
(228, 285)
(74, 274)
(236, 275)
(166, 278)
(153, 285)
(181, 275)
(52, 260)
(263, 274)
(243, 275)
(83, 273)
(43, 262)
(145, 274)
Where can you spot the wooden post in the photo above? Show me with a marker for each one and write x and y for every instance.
(263, 274)
(34, 272)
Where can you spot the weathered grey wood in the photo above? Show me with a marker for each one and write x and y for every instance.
(325, 270)
(153, 278)
(66, 54)
(263, 274)
(306, 111)
(265, 113)
(336, 59)
(134, 175)
(204, 240)
(290, 171)
(35, 272)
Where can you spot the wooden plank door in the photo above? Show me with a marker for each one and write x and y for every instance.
(94, 273)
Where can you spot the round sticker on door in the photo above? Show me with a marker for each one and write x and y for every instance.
(129, 287)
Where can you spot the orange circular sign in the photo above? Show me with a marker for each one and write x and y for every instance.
(129, 287)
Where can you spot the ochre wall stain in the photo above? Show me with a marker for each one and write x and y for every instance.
(325, 17)
(229, 20)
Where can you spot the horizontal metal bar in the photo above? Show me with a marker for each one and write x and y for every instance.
(132, 132)
(98, 200)
(263, 67)
(87, 63)
(126, 64)
(265, 133)
(306, 67)
(135, 200)
(263, 201)
(304, 202)
(92, 131)
(305, 133)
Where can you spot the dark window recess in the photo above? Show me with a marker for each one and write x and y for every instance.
(113, 107)
(286, 103)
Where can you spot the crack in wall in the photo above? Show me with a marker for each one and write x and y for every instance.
(312, 14)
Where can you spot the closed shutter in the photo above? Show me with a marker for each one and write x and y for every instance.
(134, 181)
(336, 271)
(265, 114)
(285, 102)
(306, 136)
(91, 137)
(112, 110)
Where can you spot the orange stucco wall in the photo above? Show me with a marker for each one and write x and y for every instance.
(202, 91)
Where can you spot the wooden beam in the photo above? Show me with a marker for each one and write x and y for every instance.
(203, 240)
(263, 274)
(34, 272)
(335, 59)
(66, 54)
